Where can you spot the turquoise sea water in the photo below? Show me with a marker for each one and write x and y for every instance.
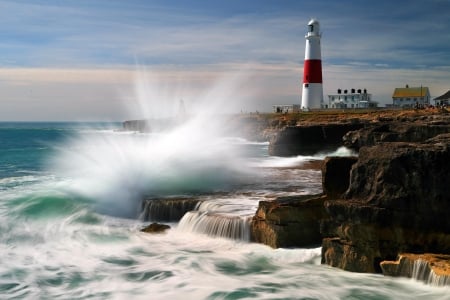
(69, 219)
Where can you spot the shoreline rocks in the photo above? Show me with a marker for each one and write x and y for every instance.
(394, 198)
(295, 221)
(289, 221)
(310, 139)
(155, 228)
(142, 126)
(397, 201)
(167, 210)
(433, 269)
(390, 202)
(335, 175)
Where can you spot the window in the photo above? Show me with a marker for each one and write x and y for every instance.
(311, 28)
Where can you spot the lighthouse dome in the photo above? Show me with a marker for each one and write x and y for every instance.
(314, 27)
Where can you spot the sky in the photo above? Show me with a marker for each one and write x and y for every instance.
(111, 60)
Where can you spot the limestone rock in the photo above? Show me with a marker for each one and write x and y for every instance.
(155, 228)
(167, 209)
(137, 125)
(309, 139)
(398, 201)
(395, 132)
(336, 174)
(289, 221)
(431, 268)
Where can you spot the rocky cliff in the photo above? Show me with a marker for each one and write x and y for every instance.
(389, 203)
(310, 139)
(397, 131)
(398, 201)
(295, 221)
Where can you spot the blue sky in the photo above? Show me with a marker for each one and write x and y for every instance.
(102, 60)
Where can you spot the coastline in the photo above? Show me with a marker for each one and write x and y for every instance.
(397, 191)
(388, 208)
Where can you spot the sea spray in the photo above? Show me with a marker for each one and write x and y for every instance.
(118, 170)
(193, 156)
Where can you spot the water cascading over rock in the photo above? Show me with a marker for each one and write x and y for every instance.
(219, 218)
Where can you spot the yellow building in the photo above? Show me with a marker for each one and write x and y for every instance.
(411, 96)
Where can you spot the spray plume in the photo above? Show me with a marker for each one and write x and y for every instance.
(116, 169)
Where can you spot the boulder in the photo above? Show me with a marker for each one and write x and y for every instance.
(289, 221)
(155, 228)
(137, 125)
(295, 221)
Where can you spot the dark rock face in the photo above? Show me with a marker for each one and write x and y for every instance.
(155, 228)
(398, 201)
(295, 221)
(335, 175)
(136, 125)
(394, 132)
(289, 221)
(309, 139)
(167, 210)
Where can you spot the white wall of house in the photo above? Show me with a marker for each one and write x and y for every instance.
(350, 100)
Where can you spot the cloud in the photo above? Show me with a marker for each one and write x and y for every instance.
(118, 94)
(78, 59)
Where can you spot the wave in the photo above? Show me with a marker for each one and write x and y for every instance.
(341, 151)
(298, 161)
(243, 141)
(46, 205)
(116, 170)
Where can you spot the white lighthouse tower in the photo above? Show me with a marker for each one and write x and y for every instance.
(312, 95)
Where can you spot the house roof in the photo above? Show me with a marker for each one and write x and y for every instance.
(410, 92)
(446, 96)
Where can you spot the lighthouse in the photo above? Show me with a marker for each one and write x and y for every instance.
(312, 95)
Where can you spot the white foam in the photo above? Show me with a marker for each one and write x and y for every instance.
(195, 156)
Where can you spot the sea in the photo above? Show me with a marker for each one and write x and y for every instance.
(71, 214)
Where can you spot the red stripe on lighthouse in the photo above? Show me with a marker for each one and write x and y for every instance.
(312, 71)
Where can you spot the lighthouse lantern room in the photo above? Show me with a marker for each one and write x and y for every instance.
(312, 95)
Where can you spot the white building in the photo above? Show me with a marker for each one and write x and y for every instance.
(353, 99)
